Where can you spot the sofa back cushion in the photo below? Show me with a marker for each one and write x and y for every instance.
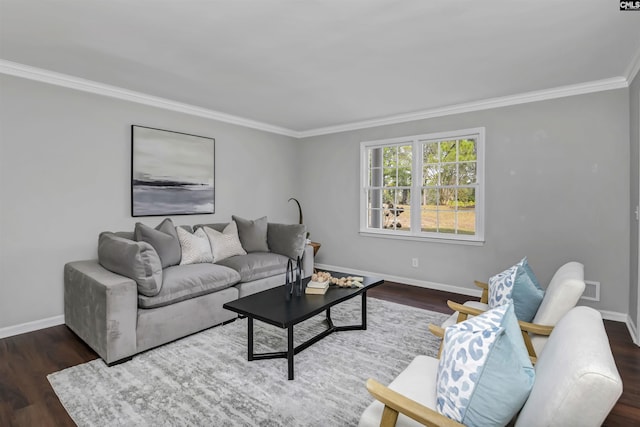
(253, 233)
(136, 260)
(287, 239)
(218, 226)
(257, 265)
(164, 240)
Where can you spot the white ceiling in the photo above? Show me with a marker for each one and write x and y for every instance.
(307, 65)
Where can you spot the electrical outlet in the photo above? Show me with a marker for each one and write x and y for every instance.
(414, 262)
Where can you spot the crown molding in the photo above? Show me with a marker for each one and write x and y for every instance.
(633, 68)
(523, 98)
(72, 82)
(64, 80)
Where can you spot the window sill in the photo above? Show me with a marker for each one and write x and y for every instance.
(422, 239)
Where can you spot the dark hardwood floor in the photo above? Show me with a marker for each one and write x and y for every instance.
(26, 398)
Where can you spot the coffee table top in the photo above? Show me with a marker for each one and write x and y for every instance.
(274, 307)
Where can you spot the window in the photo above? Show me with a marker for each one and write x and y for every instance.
(424, 186)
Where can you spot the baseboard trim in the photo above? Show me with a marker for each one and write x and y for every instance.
(614, 315)
(633, 331)
(35, 325)
(606, 314)
(405, 280)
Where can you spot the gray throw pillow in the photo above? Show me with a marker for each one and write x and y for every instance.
(135, 260)
(287, 239)
(253, 234)
(164, 240)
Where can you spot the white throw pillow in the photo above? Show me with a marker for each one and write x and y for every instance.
(225, 244)
(195, 247)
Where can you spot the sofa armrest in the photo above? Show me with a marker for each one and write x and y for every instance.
(101, 307)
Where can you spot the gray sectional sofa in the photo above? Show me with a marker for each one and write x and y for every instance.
(137, 295)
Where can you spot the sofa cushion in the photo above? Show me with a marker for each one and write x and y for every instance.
(164, 240)
(257, 265)
(218, 226)
(195, 247)
(136, 260)
(182, 282)
(253, 234)
(485, 374)
(287, 239)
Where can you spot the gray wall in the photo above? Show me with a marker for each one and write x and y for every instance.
(557, 189)
(557, 177)
(634, 95)
(65, 176)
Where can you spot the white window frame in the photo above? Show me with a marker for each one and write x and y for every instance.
(414, 232)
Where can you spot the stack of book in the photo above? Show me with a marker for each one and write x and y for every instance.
(317, 288)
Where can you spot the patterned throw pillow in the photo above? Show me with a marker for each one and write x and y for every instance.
(501, 287)
(225, 244)
(517, 284)
(195, 247)
(484, 375)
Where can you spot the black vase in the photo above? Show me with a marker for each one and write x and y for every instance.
(293, 283)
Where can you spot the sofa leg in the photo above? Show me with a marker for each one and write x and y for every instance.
(117, 362)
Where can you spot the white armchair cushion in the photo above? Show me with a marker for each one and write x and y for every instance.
(417, 382)
(577, 382)
(562, 294)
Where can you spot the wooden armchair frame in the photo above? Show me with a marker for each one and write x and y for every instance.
(526, 327)
(395, 403)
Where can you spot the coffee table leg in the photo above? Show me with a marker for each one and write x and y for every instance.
(364, 310)
(290, 351)
(250, 338)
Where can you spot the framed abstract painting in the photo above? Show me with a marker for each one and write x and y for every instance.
(172, 173)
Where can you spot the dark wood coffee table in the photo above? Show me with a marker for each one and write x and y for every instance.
(274, 307)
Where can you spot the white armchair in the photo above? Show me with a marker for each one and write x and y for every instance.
(562, 294)
(577, 383)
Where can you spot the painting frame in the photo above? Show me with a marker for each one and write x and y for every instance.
(172, 173)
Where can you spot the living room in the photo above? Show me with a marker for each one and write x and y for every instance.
(561, 161)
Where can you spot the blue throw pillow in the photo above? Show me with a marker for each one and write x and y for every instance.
(519, 285)
(527, 294)
(525, 264)
(485, 374)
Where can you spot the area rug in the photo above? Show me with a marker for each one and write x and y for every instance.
(206, 380)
